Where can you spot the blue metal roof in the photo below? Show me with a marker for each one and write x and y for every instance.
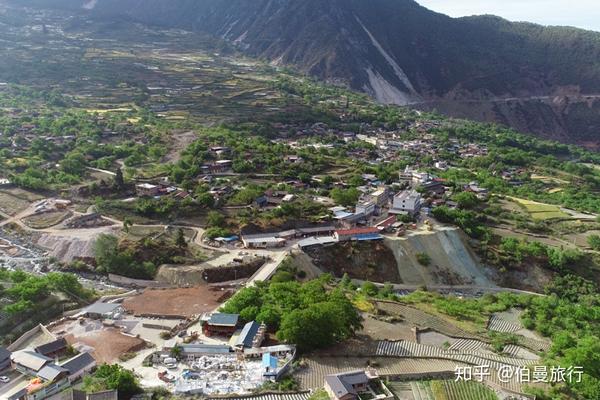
(248, 333)
(368, 236)
(269, 361)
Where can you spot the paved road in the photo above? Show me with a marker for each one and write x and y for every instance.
(269, 268)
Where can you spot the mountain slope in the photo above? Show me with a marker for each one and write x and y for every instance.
(534, 78)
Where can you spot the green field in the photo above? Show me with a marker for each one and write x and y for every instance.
(540, 211)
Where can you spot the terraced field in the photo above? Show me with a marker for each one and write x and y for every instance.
(540, 211)
(424, 320)
(410, 349)
(451, 390)
(312, 376)
(46, 220)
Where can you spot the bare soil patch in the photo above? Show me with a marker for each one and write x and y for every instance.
(184, 302)
(380, 330)
(108, 344)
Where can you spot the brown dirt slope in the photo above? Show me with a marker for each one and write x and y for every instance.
(371, 261)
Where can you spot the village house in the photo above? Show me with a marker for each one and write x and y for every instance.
(473, 187)
(347, 385)
(220, 324)
(53, 349)
(28, 362)
(263, 241)
(79, 366)
(146, 190)
(435, 187)
(406, 202)
(293, 159)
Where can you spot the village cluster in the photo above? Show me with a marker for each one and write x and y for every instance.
(210, 354)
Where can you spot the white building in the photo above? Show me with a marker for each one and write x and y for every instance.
(414, 176)
(366, 207)
(406, 202)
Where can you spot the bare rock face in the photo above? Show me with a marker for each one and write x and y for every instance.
(68, 249)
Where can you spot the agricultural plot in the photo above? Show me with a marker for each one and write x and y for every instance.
(46, 220)
(12, 205)
(549, 179)
(451, 390)
(424, 320)
(540, 211)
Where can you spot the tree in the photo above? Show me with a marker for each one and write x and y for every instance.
(105, 249)
(206, 199)
(215, 219)
(176, 351)
(180, 239)
(112, 377)
(346, 198)
(423, 259)
(126, 224)
(466, 200)
(594, 242)
(369, 288)
(119, 180)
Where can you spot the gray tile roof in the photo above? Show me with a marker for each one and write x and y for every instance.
(50, 372)
(341, 384)
(54, 346)
(78, 363)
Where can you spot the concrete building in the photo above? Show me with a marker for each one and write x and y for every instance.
(146, 190)
(263, 241)
(406, 202)
(380, 197)
(367, 208)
